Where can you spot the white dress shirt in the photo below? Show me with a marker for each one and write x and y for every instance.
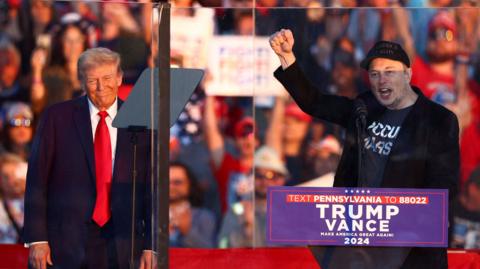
(95, 118)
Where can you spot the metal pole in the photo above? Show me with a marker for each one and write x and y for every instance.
(163, 134)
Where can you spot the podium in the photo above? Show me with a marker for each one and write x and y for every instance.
(142, 111)
(142, 106)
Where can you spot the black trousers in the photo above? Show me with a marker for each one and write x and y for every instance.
(99, 252)
(100, 249)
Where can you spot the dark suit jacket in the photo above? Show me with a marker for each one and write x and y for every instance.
(425, 154)
(60, 194)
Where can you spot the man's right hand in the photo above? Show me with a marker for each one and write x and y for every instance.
(282, 44)
(39, 255)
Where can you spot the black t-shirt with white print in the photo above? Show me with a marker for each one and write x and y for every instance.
(381, 136)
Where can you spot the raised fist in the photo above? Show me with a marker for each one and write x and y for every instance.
(282, 42)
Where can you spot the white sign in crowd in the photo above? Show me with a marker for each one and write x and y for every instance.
(235, 65)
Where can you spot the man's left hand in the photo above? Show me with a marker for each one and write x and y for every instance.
(148, 260)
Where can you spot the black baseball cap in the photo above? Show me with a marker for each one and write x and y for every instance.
(386, 49)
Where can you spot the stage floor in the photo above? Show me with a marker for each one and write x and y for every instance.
(15, 257)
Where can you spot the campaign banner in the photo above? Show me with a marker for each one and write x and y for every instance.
(357, 217)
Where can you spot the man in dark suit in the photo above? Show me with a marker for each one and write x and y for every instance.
(409, 142)
(79, 200)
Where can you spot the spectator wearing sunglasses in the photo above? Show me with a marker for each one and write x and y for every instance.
(18, 130)
(443, 77)
(443, 73)
(435, 73)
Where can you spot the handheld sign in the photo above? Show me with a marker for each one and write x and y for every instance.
(357, 217)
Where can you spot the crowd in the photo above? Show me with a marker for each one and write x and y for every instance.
(226, 150)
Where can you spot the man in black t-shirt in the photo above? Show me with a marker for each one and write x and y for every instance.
(409, 142)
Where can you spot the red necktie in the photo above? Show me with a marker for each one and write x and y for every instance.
(103, 171)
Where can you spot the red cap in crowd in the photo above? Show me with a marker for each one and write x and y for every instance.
(293, 110)
(442, 20)
(14, 4)
(244, 127)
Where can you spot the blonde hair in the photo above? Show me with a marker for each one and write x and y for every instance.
(97, 56)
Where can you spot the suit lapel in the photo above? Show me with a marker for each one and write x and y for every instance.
(83, 125)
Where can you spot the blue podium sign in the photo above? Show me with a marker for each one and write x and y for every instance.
(357, 217)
